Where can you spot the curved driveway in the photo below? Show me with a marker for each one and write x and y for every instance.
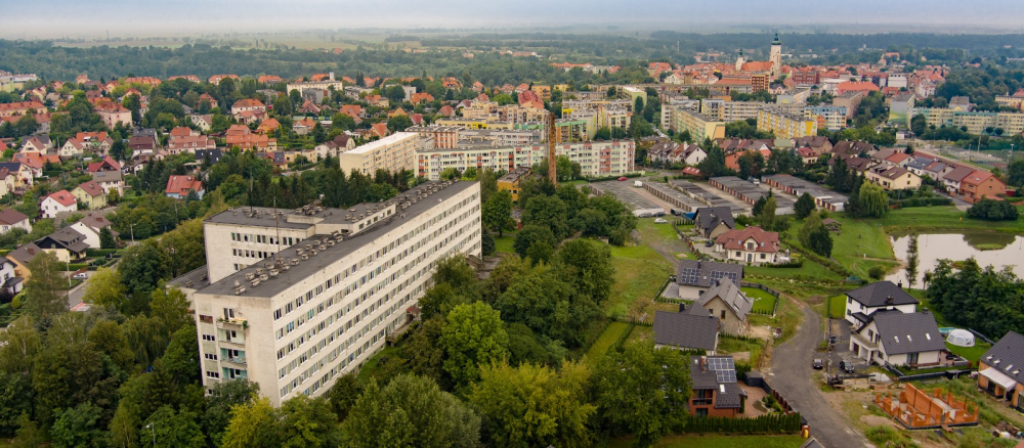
(792, 376)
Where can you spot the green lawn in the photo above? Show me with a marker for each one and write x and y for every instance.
(504, 244)
(948, 217)
(665, 231)
(717, 441)
(367, 369)
(763, 302)
(640, 271)
(809, 271)
(837, 307)
(611, 334)
(972, 354)
(729, 345)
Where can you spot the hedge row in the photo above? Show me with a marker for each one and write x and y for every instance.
(775, 423)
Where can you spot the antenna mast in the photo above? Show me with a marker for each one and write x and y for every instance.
(552, 174)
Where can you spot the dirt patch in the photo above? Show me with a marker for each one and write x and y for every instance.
(763, 332)
(741, 356)
(815, 300)
(875, 420)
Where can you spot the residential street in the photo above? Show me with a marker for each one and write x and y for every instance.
(792, 376)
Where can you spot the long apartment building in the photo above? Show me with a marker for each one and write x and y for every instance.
(393, 153)
(331, 286)
(975, 122)
(700, 126)
(596, 159)
(786, 124)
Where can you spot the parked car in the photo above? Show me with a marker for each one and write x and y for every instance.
(710, 243)
(818, 364)
(846, 366)
(623, 178)
(80, 276)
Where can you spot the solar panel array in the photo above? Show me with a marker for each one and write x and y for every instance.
(689, 276)
(718, 275)
(724, 368)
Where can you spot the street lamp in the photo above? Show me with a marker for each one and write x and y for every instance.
(152, 429)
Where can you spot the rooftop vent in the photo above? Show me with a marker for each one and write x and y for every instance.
(295, 261)
(239, 290)
(255, 282)
(249, 275)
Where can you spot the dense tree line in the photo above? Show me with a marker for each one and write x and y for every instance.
(983, 299)
(993, 210)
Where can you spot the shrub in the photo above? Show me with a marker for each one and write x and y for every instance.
(993, 210)
(876, 272)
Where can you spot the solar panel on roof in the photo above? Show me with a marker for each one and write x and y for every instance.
(725, 376)
(689, 275)
(717, 275)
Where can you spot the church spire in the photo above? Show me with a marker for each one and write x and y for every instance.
(776, 41)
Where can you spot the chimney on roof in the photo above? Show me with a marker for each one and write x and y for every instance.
(889, 300)
(330, 76)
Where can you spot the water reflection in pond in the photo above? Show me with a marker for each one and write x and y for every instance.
(989, 248)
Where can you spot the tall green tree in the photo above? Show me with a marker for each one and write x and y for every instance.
(167, 428)
(410, 411)
(474, 335)
(497, 212)
(252, 425)
(912, 261)
(78, 427)
(766, 217)
(44, 290)
(873, 200)
(530, 405)
(642, 390)
(804, 206)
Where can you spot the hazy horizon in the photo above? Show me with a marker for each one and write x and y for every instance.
(124, 18)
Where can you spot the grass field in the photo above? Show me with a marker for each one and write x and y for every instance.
(717, 441)
(948, 217)
(611, 334)
(640, 271)
(763, 302)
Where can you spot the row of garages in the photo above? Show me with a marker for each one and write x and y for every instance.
(823, 197)
(750, 193)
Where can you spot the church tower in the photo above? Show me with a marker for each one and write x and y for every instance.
(776, 57)
(740, 61)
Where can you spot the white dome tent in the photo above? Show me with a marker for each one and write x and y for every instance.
(960, 337)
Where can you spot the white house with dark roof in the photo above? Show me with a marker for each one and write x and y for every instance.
(693, 277)
(862, 302)
(898, 338)
(13, 219)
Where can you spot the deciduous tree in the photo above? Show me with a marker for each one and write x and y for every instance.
(474, 335)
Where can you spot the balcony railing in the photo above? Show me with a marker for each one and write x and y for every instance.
(236, 360)
(703, 401)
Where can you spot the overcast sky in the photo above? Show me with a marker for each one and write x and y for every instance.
(73, 18)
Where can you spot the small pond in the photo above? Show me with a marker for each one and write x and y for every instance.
(989, 248)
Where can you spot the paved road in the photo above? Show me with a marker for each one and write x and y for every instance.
(792, 376)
